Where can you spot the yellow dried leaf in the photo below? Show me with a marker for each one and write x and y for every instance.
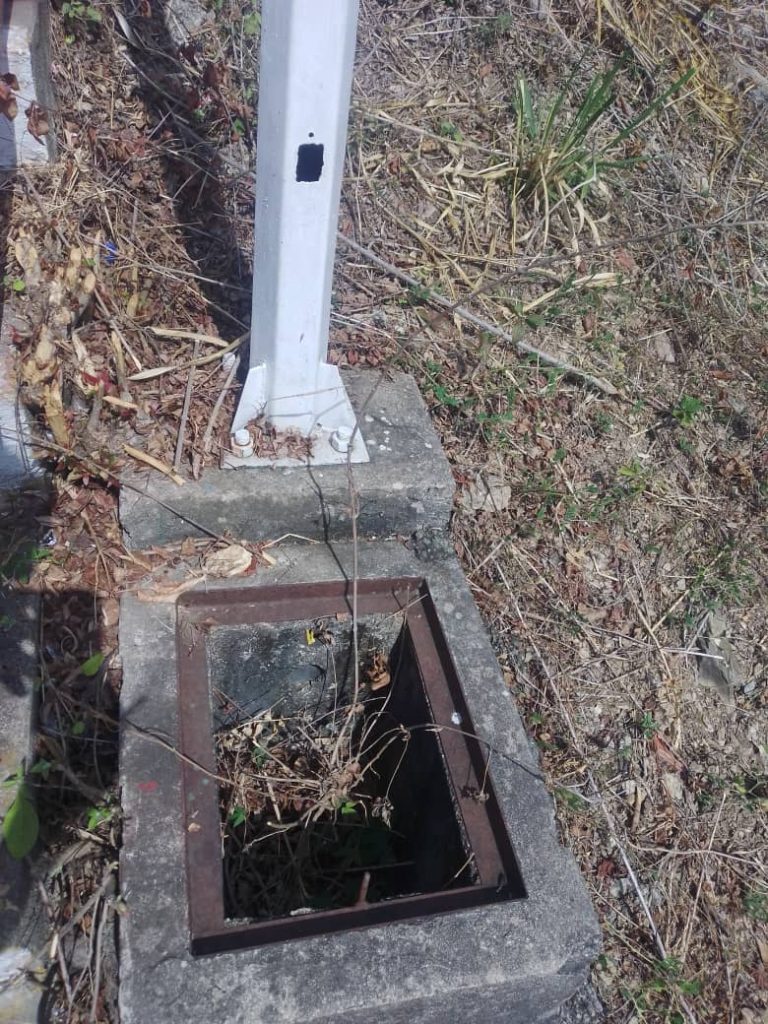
(150, 460)
(45, 352)
(156, 371)
(54, 414)
(230, 561)
(25, 253)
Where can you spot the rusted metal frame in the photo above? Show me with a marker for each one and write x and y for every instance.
(464, 760)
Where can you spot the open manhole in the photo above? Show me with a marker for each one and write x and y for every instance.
(332, 778)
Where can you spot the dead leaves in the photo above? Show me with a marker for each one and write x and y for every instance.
(28, 259)
(8, 86)
(233, 560)
(377, 674)
(42, 365)
(665, 755)
(150, 460)
(37, 121)
(55, 415)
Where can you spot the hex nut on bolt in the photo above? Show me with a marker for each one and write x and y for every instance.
(341, 439)
(242, 443)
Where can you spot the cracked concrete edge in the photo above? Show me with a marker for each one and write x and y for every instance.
(18, 468)
(407, 485)
(22, 921)
(526, 957)
(26, 49)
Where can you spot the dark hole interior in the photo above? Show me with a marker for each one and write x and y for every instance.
(309, 164)
(387, 828)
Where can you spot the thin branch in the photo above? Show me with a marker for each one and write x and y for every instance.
(484, 325)
(185, 409)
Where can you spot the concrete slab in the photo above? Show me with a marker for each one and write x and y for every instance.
(515, 962)
(24, 52)
(407, 484)
(19, 911)
(18, 468)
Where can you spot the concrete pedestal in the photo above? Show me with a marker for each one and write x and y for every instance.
(515, 962)
(24, 52)
(407, 485)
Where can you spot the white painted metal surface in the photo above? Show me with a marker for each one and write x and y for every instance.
(305, 79)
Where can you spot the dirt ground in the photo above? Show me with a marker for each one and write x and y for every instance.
(571, 199)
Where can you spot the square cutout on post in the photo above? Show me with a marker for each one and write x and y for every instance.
(309, 163)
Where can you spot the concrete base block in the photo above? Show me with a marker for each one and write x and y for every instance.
(407, 484)
(24, 52)
(20, 914)
(18, 468)
(515, 962)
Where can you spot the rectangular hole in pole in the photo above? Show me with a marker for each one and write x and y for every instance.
(309, 165)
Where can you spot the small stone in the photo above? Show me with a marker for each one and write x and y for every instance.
(673, 784)
(719, 668)
(488, 493)
(664, 348)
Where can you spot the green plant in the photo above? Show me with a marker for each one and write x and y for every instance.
(572, 800)
(98, 815)
(756, 904)
(727, 580)
(603, 423)
(21, 825)
(92, 665)
(661, 992)
(79, 15)
(687, 409)
(418, 295)
(555, 155)
(442, 394)
(632, 478)
(251, 24)
(19, 561)
(237, 816)
(449, 131)
(648, 725)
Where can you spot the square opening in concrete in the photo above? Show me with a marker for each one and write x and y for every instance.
(332, 778)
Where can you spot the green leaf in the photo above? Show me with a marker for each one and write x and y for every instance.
(251, 24)
(78, 728)
(237, 816)
(18, 285)
(13, 780)
(21, 825)
(93, 664)
(96, 815)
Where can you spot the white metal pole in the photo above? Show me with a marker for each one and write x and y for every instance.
(305, 79)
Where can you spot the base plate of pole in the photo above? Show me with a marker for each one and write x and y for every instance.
(324, 417)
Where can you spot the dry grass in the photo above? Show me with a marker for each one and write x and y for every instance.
(632, 515)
